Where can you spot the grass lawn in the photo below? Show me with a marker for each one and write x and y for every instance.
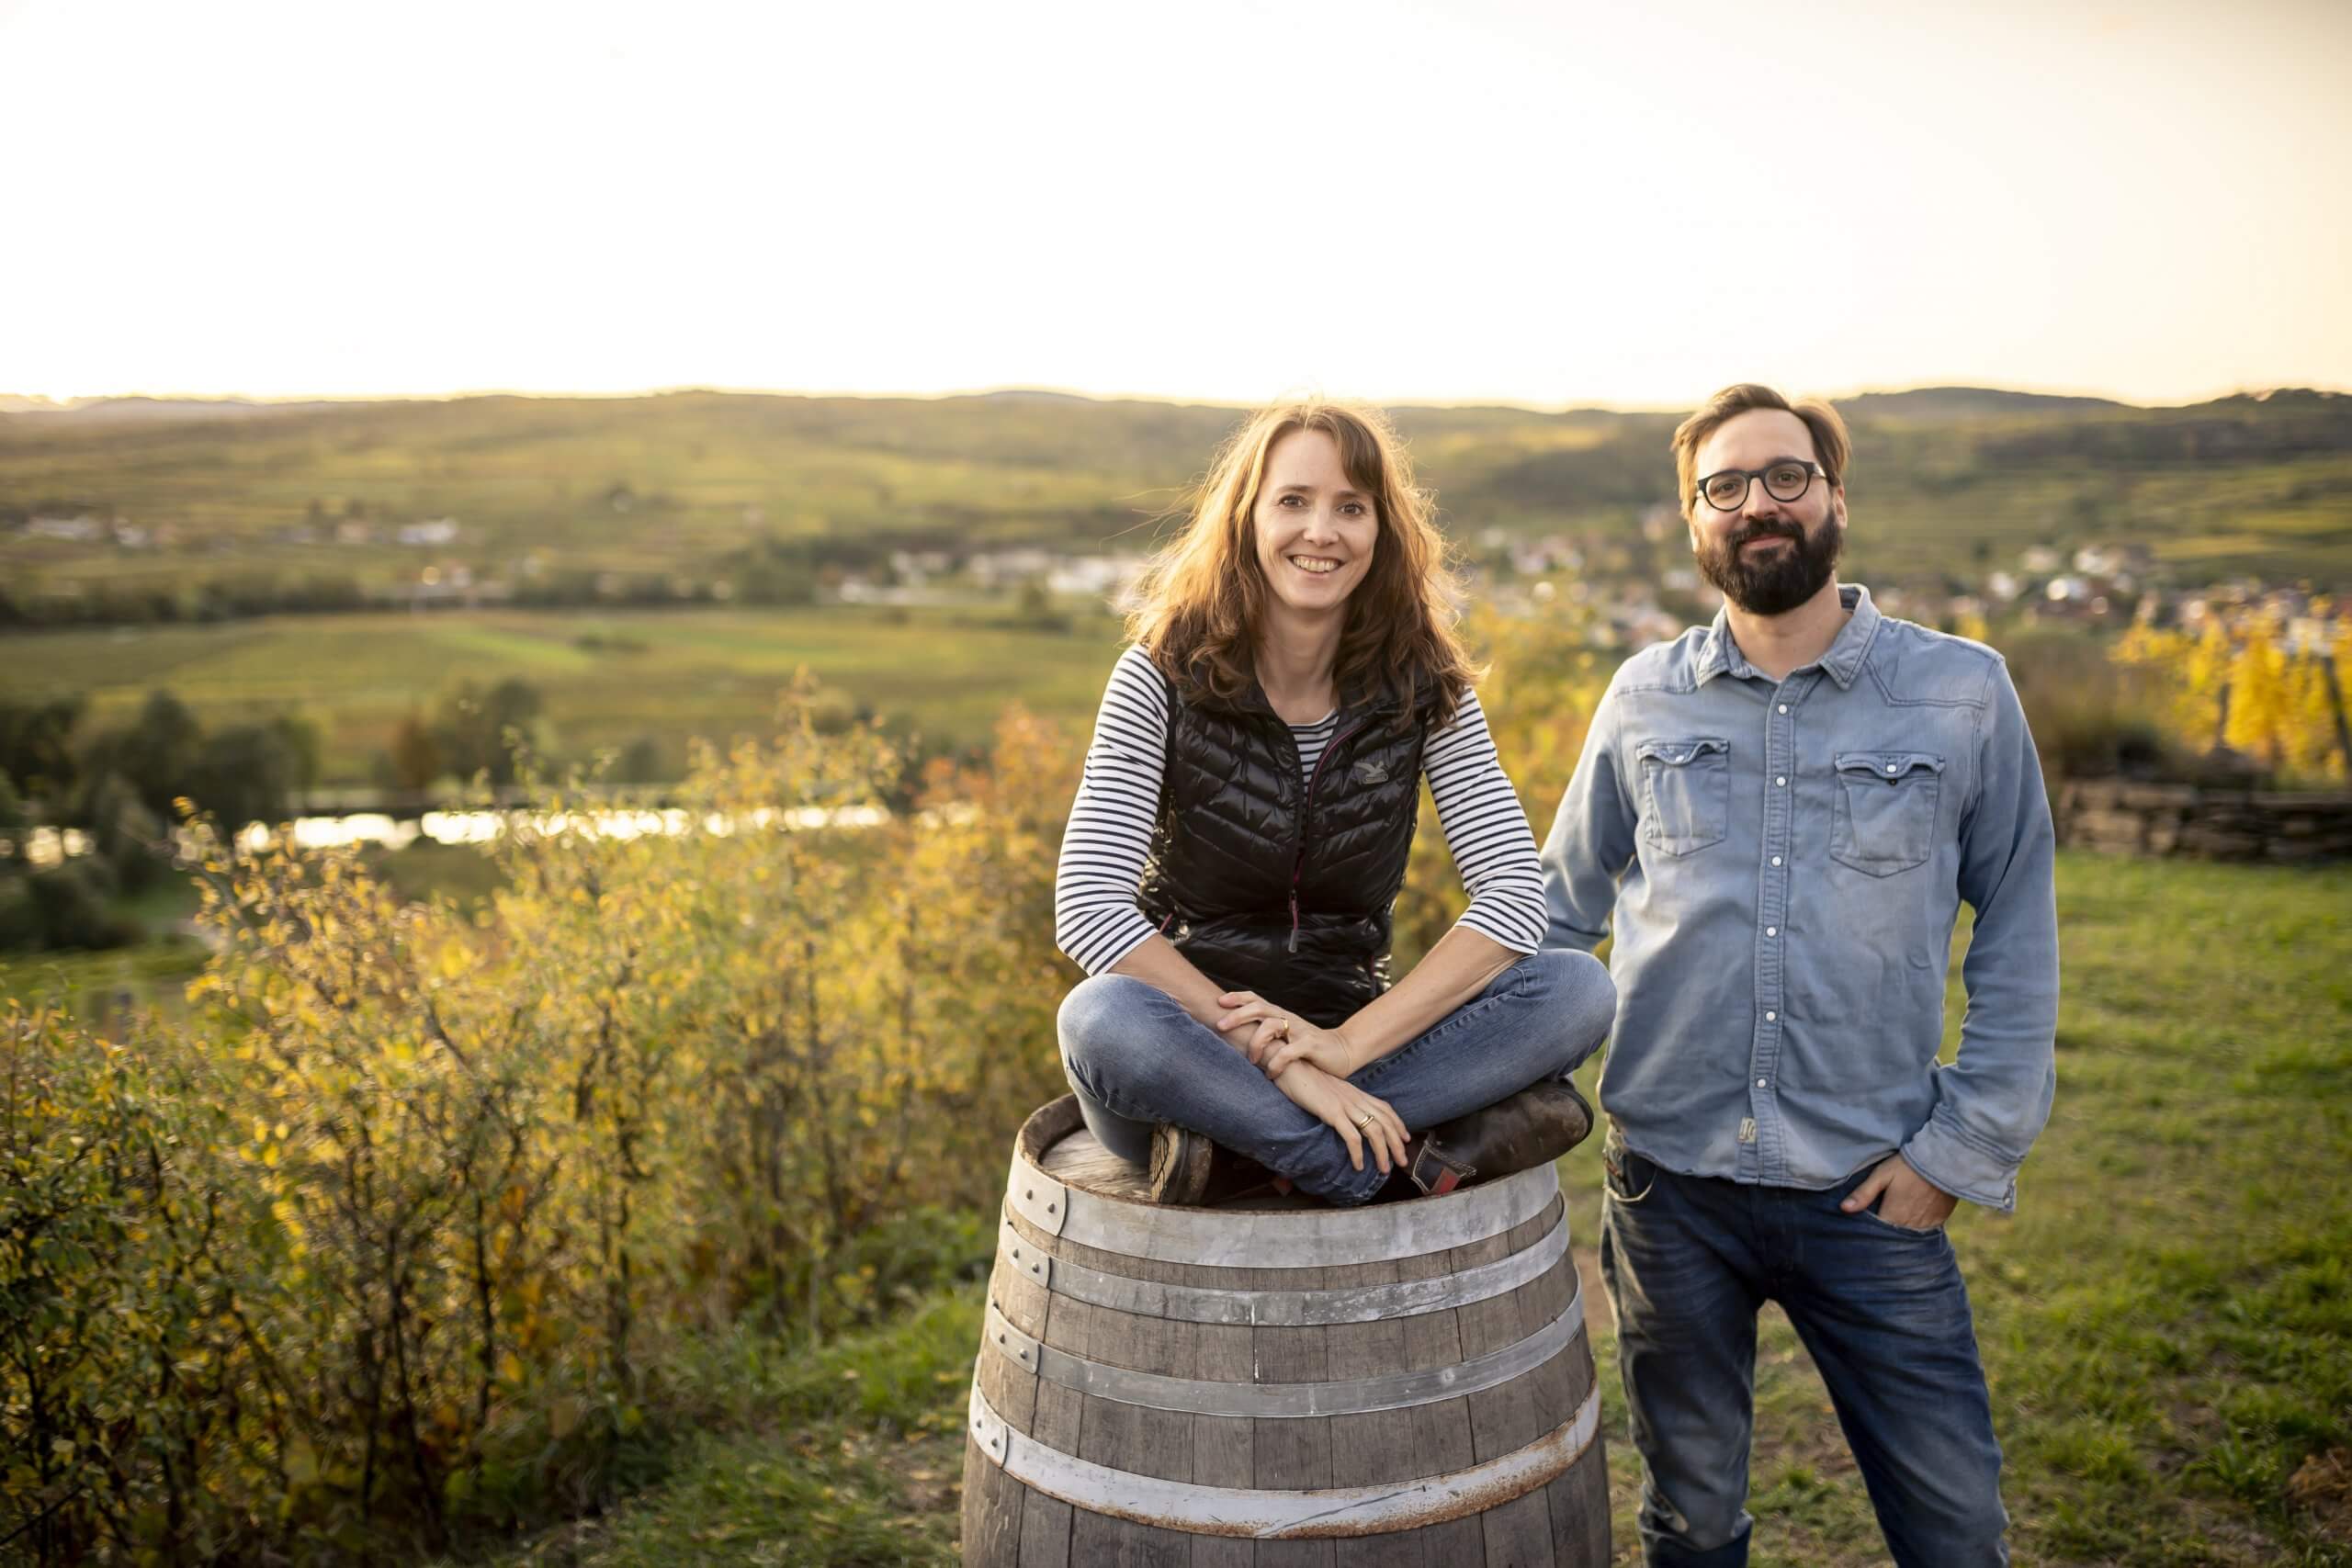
(2167, 1321)
(608, 677)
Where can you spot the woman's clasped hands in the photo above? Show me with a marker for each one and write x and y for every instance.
(1276, 1041)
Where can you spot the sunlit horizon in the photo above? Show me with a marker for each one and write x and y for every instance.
(1835, 395)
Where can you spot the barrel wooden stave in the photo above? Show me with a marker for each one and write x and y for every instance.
(1579, 1499)
(1440, 1431)
(1522, 1410)
(1373, 1445)
(1133, 1438)
(1225, 1448)
(1118, 1339)
(1564, 1521)
(1292, 1455)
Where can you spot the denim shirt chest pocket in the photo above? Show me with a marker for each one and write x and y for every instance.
(1685, 791)
(1886, 810)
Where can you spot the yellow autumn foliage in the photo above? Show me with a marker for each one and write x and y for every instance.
(414, 1203)
(2248, 681)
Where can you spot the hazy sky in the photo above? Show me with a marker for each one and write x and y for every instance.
(1483, 199)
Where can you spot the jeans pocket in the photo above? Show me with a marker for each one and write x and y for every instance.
(1886, 810)
(1625, 1175)
(1882, 1223)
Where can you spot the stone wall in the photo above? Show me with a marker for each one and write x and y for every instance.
(2203, 822)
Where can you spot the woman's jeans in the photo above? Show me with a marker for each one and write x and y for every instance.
(1688, 1259)
(1135, 1057)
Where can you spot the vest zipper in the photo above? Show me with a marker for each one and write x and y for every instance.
(1298, 865)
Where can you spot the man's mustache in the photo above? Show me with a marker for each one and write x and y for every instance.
(1754, 531)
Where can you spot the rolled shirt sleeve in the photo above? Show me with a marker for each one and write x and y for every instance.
(1991, 1102)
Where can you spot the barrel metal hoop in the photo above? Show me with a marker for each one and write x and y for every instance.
(1279, 1401)
(1036, 1197)
(1026, 1258)
(1354, 1303)
(1277, 1238)
(1323, 1512)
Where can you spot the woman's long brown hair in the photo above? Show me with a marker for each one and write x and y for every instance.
(1199, 604)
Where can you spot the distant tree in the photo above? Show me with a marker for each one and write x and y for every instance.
(471, 725)
(327, 591)
(21, 927)
(640, 762)
(300, 738)
(1035, 607)
(769, 571)
(416, 755)
(154, 755)
(15, 823)
(36, 745)
(129, 837)
(71, 900)
(247, 773)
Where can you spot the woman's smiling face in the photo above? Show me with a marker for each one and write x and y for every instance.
(1315, 530)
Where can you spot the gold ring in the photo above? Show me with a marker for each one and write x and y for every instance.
(1361, 1121)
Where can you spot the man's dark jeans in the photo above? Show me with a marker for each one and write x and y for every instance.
(1687, 1261)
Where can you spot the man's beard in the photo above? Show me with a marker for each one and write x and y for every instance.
(1778, 580)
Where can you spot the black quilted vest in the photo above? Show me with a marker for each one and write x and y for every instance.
(1272, 883)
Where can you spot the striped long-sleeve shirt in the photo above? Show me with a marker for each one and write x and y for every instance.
(1096, 920)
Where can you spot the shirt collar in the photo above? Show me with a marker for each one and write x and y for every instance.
(1720, 655)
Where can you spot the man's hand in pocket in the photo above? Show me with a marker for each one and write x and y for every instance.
(1911, 1200)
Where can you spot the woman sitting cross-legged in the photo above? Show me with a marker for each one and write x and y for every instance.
(1241, 835)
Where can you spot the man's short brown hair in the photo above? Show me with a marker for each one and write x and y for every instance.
(1831, 447)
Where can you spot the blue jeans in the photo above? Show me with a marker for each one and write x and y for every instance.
(1688, 1259)
(1135, 1057)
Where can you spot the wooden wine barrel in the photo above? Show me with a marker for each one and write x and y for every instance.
(1280, 1382)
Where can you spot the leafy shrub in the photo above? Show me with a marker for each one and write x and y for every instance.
(392, 1243)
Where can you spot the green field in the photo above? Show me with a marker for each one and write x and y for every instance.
(2167, 1321)
(1944, 482)
(708, 672)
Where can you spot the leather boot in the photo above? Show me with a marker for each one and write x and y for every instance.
(1189, 1169)
(1533, 1127)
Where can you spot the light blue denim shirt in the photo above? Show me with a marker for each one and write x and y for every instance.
(1785, 863)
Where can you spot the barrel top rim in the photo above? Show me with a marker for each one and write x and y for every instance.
(1058, 1119)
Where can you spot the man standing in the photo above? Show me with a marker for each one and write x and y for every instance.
(1783, 811)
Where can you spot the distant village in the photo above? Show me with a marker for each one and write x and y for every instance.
(2097, 586)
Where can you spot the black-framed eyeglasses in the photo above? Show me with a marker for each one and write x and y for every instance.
(1726, 490)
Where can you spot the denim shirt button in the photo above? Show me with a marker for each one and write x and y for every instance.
(1771, 1016)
